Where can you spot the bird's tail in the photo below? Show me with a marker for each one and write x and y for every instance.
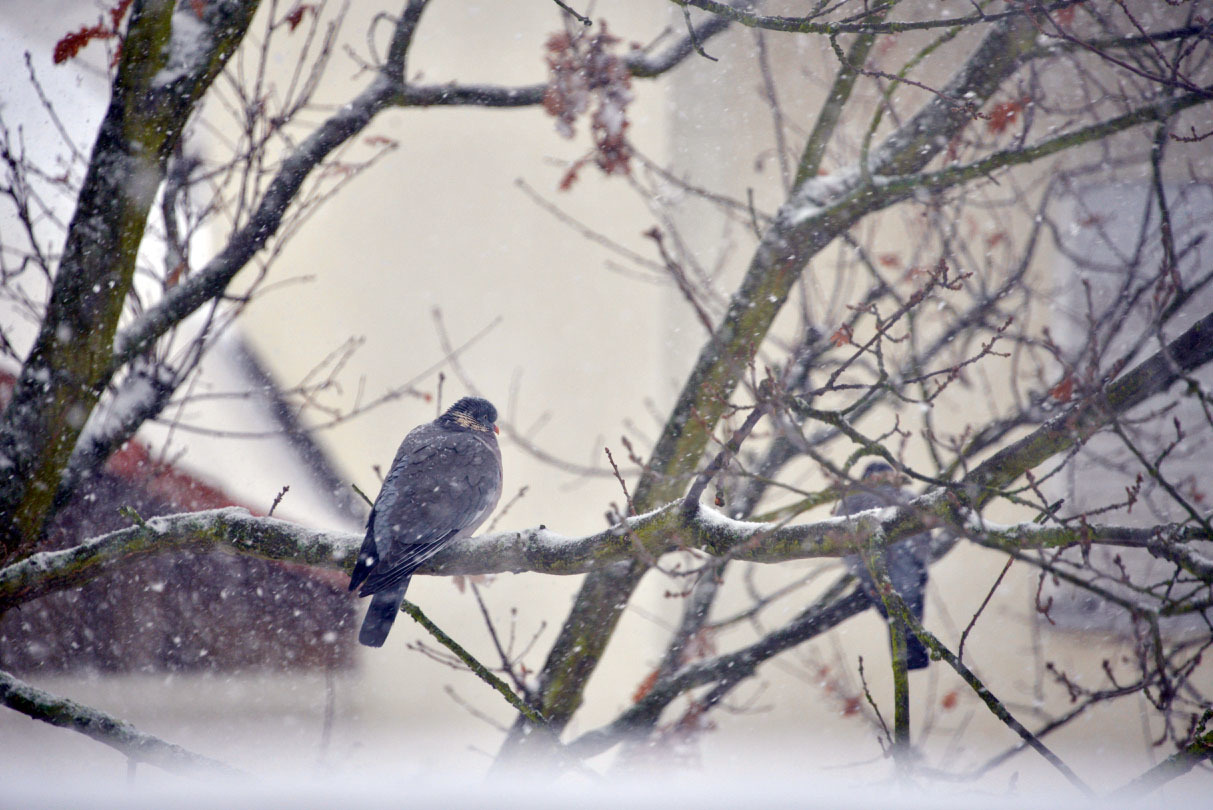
(917, 656)
(384, 607)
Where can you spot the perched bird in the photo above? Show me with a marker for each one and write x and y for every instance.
(907, 559)
(444, 482)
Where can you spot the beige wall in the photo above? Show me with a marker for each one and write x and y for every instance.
(441, 223)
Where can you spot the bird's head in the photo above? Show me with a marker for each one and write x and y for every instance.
(472, 413)
(878, 472)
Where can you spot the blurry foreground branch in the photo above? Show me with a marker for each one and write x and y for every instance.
(104, 728)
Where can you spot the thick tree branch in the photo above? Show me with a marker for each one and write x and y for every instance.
(1198, 751)
(831, 111)
(161, 75)
(1076, 424)
(144, 393)
(871, 24)
(233, 529)
(802, 228)
(640, 65)
(212, 280)
(876, 562)
(644, 66)
(540, 550)
(1166, 542)
(903, 186)
(117, 734)
(671, 526)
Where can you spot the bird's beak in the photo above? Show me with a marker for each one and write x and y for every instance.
(497, 430)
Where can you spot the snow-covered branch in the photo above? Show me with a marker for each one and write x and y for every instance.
(1167, 541)
(161, 75)
(141, 396)
(541, 550)
(233, 529)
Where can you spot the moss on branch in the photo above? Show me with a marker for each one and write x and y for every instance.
(540, 550)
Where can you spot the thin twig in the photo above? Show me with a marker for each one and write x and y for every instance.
(361, 494)
(960, 648)
(626, 495)
(278, 499)
(871, 702)
(686, 15)
(691, 502)
(479, 669)
(586, 21)
(506, 665)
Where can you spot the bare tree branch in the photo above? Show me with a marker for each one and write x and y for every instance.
(541, 550)
(124, 738)
(159, 80)
(802, 229)
(871, 24)
(1198, 751)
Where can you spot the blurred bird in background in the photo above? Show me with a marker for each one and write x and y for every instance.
(907, 559)
(444, 482)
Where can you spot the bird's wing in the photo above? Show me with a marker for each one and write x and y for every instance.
(442, 485)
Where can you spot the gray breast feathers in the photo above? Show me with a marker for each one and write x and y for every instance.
(442, 485)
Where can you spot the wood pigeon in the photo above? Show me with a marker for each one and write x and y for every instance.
(444, 482)
(907, 559)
